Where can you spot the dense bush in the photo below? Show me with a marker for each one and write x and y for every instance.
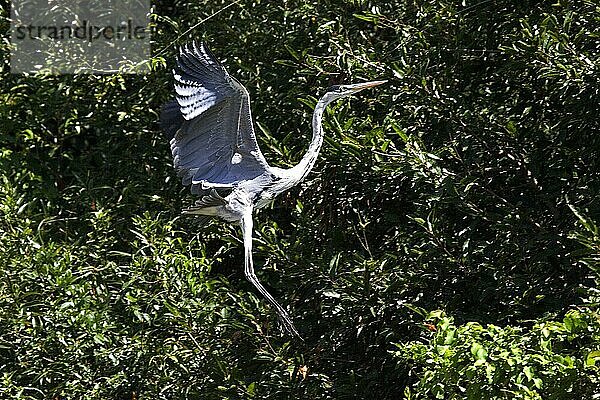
(549, 360)
(468, 184)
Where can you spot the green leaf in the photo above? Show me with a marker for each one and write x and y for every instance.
(528, 371)
(478, 351)
(250, 390)
(592, 357)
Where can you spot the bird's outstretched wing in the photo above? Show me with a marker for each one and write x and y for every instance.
(213, 141)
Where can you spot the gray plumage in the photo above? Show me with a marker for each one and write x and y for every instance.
(213, 141)
(215, 150)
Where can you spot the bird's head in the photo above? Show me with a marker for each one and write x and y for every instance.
(338, 91)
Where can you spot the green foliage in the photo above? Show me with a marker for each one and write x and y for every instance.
(551, 359)
(588, 236)
(468, 184)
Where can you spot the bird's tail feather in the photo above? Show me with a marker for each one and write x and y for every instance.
(207, 205)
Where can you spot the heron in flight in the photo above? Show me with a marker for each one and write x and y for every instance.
(215, 150)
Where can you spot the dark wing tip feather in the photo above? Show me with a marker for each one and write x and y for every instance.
(201, 82)
(199, 63)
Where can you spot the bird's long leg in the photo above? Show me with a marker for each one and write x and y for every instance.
(247, 228)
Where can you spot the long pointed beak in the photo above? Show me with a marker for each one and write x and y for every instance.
(365, 85)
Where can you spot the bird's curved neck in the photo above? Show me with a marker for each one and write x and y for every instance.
(300, 170)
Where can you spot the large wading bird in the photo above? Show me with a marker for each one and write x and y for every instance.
(215, 149)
